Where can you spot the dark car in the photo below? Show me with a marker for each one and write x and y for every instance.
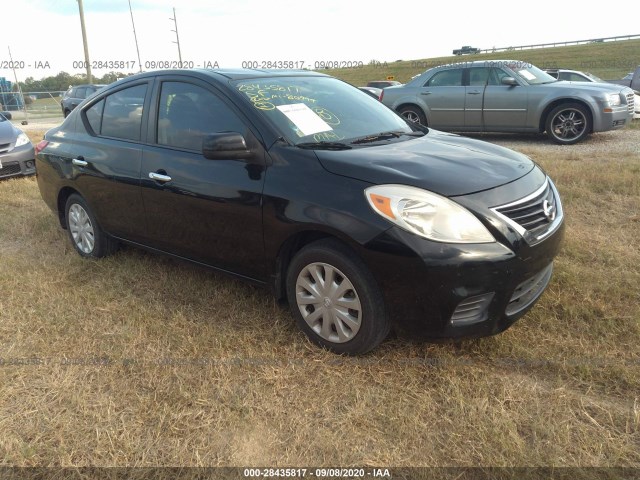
(299, 182)
(466, 50)
(17, 156)
(72, 97)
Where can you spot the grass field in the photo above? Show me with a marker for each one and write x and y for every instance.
(139, 360)
(608, 60)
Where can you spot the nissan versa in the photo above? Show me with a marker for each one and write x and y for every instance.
(307, 185)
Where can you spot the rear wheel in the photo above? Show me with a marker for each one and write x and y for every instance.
(86, 235)
(568, 123)
(414, 114)
(335, 299)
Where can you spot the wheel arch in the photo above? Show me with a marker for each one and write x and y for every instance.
(413, 105)
(292, 245)
(545, 113)
(63, 195)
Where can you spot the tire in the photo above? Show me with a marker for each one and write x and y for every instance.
(413, 114)
(86, 235)
(346, 318)
(568, 123)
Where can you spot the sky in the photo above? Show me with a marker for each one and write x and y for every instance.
(44, 36)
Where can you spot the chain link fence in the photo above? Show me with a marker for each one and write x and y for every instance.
(33, 108)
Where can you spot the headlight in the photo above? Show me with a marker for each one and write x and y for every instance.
(22, 140)
(614, 99)
(427, 214)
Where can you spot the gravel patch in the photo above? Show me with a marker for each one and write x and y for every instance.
(625, 141)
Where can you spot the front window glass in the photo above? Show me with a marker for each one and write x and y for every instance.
(319, 109)
(188, 112)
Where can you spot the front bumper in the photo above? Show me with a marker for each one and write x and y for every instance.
(18, 162)
(620, 117)
(443, 290)
(432, 289)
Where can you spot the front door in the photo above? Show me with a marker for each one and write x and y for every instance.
(204, 210)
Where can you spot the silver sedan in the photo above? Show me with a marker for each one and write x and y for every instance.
(510, 96)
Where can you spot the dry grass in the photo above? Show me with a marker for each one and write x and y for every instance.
(140, 360)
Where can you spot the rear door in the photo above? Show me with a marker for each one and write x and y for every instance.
(444, 95)
(104, 157)
(208, 210)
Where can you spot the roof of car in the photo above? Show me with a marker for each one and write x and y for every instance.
(241, 73)
(229, 73)
(482, 62)
(561, 70)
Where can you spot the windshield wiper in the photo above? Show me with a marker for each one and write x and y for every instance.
(385, 136)
(324, 145)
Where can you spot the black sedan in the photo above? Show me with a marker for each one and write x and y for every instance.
(307, 185)
(17, 156)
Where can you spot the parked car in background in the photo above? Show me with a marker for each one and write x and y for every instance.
(577, 76)
(466, 50)
(299, 182)
(383, 83)
(72, 97)
(573, 75)
(631, 80)
(16, 151)
(374, 92)
(510, 96)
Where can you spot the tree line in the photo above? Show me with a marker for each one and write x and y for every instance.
(63, 80)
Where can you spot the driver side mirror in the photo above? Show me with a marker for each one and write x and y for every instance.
(509, 81)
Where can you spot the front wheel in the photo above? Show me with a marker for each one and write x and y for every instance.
(568, 123)
(335, 299)
(86, 235)
(414, 114)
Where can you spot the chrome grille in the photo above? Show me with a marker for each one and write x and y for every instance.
(630, 102)
(534, 216)
(528, 291)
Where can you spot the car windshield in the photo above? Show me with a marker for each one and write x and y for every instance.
(320, 109)
(530, 74)
(594, 78)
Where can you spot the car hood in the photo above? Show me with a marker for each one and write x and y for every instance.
(8, 132)
(591, 86)
(440, 162)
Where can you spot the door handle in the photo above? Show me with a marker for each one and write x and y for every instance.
(158, 177)
(473, 93)
(80, 162)
(425, 93)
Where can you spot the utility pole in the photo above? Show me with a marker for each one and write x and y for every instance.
(175, 22)
(135, 36)
(84, 41)
(15, 76)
